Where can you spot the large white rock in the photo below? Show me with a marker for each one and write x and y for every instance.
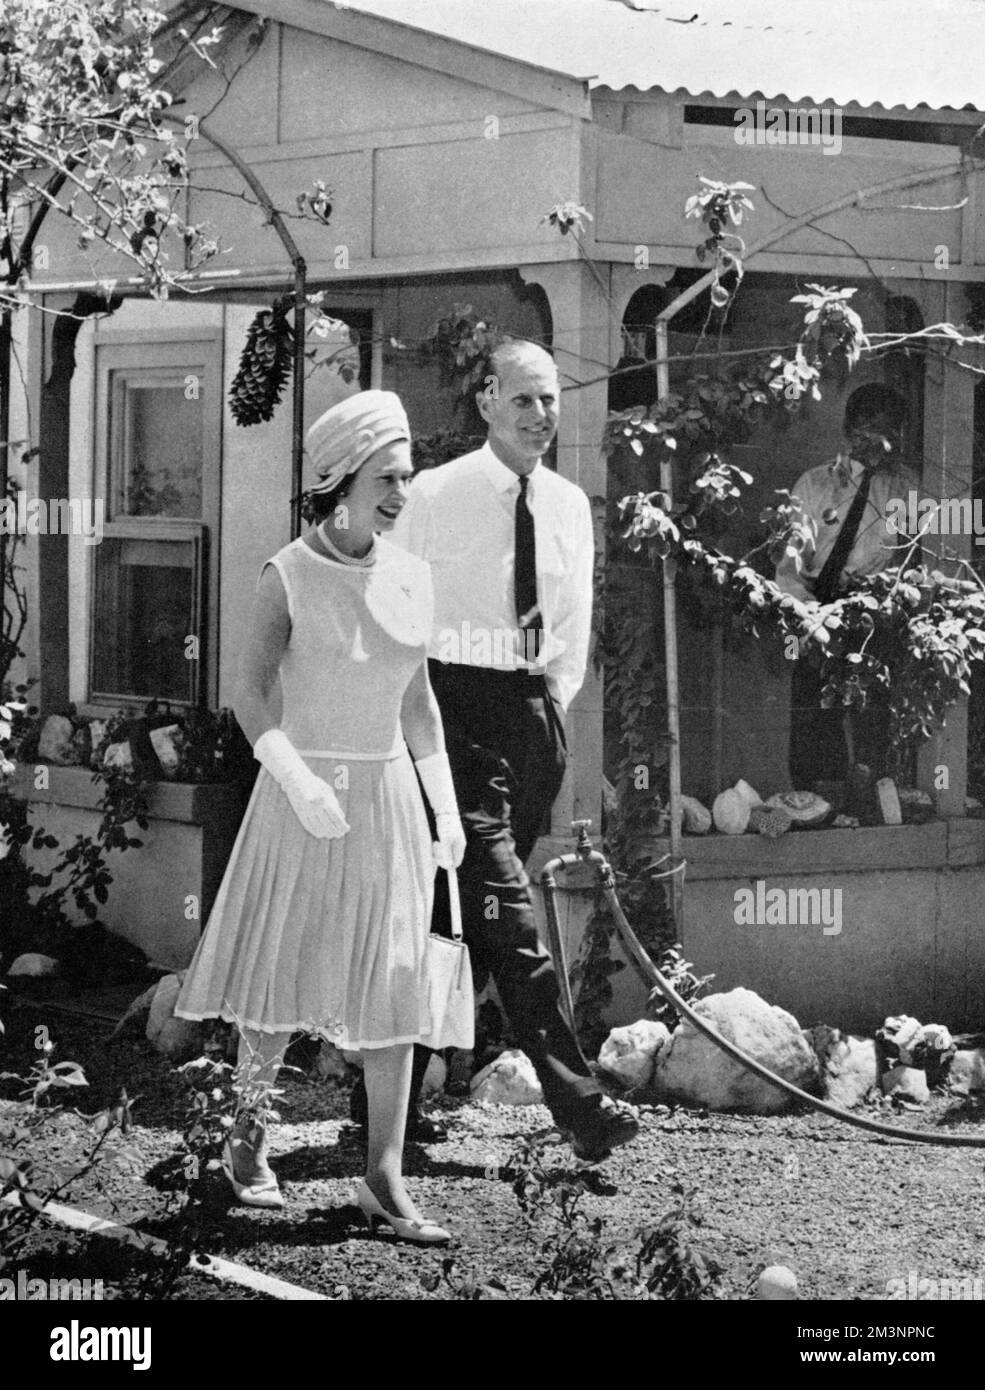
(178, 1038)
(933, 1037)
(749, 794)
(510, 1080)
(34, 964)
(906, 1083)
(55, 742)
(967, 1071)
(849, 1066)
(695, 1071)
(730, 812)
(630, 1053)
(899, 1036)
(776, 1283)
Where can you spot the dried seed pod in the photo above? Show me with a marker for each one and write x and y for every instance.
(805, 808)
(265, 365)
(770, 821)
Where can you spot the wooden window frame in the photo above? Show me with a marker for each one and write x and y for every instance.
(191, 352)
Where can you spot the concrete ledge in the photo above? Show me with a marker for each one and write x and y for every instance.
(813, 851)
(163, 890)
(965, 842)
(936, 845)
(188, 803)
(912, 939)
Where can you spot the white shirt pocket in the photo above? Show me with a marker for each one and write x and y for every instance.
(551, 560)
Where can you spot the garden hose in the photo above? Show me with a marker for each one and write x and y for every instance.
(584, 854)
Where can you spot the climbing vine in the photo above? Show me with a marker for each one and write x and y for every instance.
(911, 631)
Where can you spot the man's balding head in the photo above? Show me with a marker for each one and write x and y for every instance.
(520, 403)
(514, 351)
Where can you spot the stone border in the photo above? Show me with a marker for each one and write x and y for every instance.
(212, 1265)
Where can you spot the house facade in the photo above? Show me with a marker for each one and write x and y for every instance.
(444, 134)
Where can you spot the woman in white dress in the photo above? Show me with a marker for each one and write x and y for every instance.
(322, 917)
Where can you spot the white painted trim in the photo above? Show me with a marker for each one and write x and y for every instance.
(270, 277)
(262, 276)
(203, 333)
(801, 263)
(212, 1265)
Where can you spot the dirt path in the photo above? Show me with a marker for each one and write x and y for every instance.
(848, 1213)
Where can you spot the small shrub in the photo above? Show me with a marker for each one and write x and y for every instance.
(22, 1136)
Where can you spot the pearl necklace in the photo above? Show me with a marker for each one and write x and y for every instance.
(359, 560)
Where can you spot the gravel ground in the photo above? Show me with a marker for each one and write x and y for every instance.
(846, 1211)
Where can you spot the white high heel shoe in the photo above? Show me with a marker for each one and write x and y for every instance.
(263, 1190)
(423, 1232)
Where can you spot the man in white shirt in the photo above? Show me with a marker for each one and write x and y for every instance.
(511, 550)
(855, 535)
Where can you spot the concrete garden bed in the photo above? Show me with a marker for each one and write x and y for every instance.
(912, 935)
(162, 892)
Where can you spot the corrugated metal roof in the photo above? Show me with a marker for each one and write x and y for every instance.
(873, 52)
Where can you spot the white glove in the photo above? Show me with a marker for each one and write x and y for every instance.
(450, 849)
(312, 800)
(436, 779)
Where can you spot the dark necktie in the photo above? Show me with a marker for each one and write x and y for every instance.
(829, 580)
(525, 572)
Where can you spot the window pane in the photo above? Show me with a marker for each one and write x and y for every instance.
(144, 611)
(161, 444)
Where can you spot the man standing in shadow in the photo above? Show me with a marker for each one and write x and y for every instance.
(854, 536)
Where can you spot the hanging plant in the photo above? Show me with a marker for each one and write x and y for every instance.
(265, 366)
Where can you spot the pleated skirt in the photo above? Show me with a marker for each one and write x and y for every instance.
(331, 935)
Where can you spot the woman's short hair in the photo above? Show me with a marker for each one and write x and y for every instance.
(319, 506)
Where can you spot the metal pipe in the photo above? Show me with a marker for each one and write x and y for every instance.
(556, 940)
(671, 670)
(297, 400)
(584, 854)
(254, 277)
(6, 382)
(717, 703)
(300, 283)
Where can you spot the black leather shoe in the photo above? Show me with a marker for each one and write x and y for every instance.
(603, 1129)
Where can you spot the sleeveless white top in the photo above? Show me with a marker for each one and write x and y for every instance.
(355, 643)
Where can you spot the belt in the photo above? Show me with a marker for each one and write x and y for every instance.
(516, 674)
(534, 681)
(352, 757)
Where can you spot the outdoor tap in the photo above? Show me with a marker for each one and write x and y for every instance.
(583, 845)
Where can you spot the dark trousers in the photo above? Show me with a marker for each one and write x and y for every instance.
(818, 746)
(505, 743)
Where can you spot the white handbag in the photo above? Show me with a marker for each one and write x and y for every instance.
(450, 993)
